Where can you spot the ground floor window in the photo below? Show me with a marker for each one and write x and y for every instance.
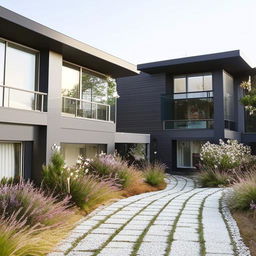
(72, 151)
(132, 152)
(188, 153)
(10, 159)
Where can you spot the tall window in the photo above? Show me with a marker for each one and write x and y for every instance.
(18, 69)
(10, 160)
(188, 154)
(192, 103)
(228, 87)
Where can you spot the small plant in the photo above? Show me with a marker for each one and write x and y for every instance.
(87, 192)
(155, 174)
(110, 167)
(243, 194)
(213, 178)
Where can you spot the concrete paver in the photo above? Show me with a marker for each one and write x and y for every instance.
(163, 223)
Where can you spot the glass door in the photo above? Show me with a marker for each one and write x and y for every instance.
(188, 153)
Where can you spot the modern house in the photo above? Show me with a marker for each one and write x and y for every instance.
(185, 102)
(55, 92)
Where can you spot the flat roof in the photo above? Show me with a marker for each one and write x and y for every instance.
(231, 61)
(25, 31)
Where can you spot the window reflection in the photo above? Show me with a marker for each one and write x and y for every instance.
(70, 81)
(192, 83)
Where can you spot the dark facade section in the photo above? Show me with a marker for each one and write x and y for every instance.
(185, 102)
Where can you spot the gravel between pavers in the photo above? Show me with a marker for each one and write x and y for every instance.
(141, 225)
(241, 248)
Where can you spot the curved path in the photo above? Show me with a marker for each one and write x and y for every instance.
(181, 220)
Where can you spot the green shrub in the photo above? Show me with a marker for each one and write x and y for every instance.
(111, 167)
(154, 174)
(243, 194)
(224, 156)
(86, 190)
(213, 178)
(55, 175)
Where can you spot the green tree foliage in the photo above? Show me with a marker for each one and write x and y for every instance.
(249, 100)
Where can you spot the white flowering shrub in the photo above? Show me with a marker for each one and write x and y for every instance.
(224, 156)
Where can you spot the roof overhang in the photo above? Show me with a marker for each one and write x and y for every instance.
(19, 29)
(232, 61)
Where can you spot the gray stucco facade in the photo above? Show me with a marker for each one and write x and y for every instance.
(38, 131)
(141, 108)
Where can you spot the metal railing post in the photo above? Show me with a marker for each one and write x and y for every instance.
(35, 107)
(76, 108)
(96, 110)
(42, 103)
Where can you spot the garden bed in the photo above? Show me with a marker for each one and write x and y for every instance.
(33, 220)
(247, 226)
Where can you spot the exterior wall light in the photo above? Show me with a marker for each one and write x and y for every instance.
(55, 147)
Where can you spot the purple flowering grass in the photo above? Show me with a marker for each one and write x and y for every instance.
(33, 203)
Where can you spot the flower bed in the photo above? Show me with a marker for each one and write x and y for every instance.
(33, 220)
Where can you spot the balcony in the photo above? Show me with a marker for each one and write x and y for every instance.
(85, 109)
(12, 97)
(188, 124)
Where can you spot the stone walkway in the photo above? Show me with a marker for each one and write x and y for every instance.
(181, 220)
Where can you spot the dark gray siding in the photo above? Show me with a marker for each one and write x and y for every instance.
(139, 110)
(139, 105)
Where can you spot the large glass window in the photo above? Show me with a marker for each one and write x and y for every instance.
(228, 87)
(94, 88)
(18, 76)
(188, 154)
(10, 160)
(71, 152)
(70, 81)
(85, 93)
(193, 83)
(20, 73)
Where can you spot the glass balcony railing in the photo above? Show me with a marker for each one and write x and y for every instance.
(12, 97)
(188, 124)
(85, 109)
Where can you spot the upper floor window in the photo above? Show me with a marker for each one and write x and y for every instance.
(78, 82)
(19, 77)
(85, 93)
(192, 83)
(229, 101)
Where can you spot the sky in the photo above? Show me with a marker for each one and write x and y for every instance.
(141, 31)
